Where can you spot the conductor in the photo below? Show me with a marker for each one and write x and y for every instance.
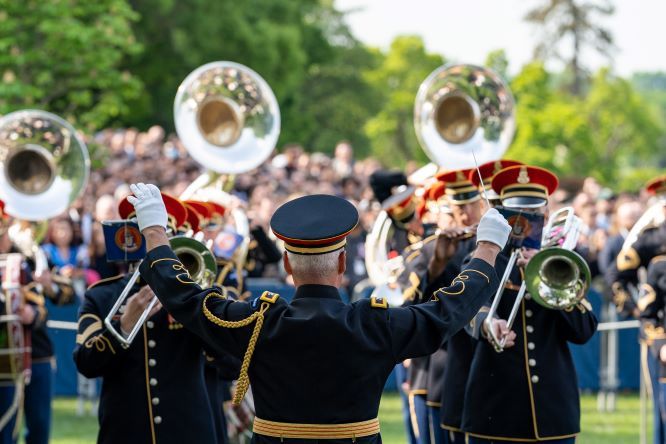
(317, 365)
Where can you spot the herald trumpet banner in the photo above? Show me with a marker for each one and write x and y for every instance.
(460, 112)
(556, 277)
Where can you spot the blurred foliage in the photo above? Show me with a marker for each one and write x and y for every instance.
(572, 23)
(67, 57)
(302, 48)
(612, 133)
(398, 77)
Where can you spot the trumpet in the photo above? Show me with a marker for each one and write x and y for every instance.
(197, 260)
(556, 277)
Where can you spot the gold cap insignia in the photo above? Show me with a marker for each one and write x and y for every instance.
(523, 178)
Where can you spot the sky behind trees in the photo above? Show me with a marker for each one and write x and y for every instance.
(465, 31)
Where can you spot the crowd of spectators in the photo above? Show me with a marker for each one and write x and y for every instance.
(154, 157)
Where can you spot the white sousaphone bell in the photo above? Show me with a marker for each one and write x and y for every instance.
(461, 112)
(45, 164)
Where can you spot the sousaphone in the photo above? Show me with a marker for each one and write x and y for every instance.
(228, 119)
(45, 164)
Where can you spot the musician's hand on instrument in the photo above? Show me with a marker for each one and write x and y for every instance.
(445, 247)
(501, 331)
(150, 209)
(136, 304)
(67, 271)
(493, 228)
(525, 256)
(27, 314)
(43, 278)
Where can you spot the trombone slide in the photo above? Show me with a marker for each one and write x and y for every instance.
(494, 340)
(126, 341)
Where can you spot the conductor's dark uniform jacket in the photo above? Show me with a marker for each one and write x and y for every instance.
(319, 365)
(152, 392)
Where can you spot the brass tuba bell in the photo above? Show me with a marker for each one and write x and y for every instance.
(460, 109)
(196, 258)
(45, 164)
(227, 117)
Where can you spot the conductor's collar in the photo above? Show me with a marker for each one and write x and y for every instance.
(317, 291)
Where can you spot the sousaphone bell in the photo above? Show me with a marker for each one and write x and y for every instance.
(45, 164)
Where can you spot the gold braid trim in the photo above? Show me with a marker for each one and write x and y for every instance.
(243, 383)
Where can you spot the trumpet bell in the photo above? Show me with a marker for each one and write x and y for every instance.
(196, 258)
(45, 164)
(460, 108)
(557, 278)
(227, 117)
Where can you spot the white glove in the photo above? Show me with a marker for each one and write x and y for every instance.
(493, 228)
(150, 209)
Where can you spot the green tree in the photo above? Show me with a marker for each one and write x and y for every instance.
(548, 124)
(398, 77)
(65, 56)
(612, 134)
(574, 22)
(498, 62)
(627, 133)
(179, 36)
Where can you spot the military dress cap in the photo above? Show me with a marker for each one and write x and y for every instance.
(193, 219)
(401, 205)
(435, 198)
(524, 186)
(458, 188)
(383, 182)
(315, 224)
(488, 170)
(394, 194)
(657, 186)
(217, 213)
(176, 211)
(203, 210)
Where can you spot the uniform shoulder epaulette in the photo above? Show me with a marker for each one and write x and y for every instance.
(377, 302)
(105, 281)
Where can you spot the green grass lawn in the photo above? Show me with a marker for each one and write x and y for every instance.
(619, 427)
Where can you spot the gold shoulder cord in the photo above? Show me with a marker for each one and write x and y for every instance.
(267, 299)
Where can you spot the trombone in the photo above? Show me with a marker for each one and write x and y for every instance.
(556, 277)
(197, 260)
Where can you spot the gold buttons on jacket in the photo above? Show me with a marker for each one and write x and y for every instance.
(153, 382)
